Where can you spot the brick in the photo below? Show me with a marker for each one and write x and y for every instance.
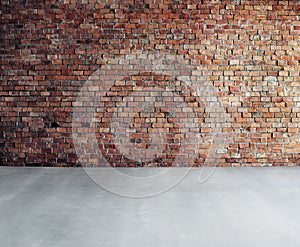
(251, 61)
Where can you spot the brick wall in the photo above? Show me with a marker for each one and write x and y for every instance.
(249, 52)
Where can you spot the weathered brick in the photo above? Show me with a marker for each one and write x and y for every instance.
(251, 58)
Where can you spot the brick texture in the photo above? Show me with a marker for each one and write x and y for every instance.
(248, 50)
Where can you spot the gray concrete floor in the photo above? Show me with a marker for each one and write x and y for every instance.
(235, 207)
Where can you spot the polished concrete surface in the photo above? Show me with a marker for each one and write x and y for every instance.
(236, 207)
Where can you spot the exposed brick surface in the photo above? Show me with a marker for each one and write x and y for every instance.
(248, 50)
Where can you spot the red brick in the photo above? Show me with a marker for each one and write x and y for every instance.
(257, 82)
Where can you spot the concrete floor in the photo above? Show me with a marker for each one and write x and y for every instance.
(236, 207)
